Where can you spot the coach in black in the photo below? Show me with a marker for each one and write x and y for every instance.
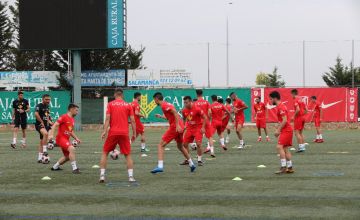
(19, 117)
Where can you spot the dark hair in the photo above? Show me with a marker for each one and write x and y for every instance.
(228, 100)
(72, 105)
(313, 97)
(221, 101)
(199, 92)
(232, 93)
(20, 92)
(137, 94)
(214, 98)
(45, 95)
(275, 95)
(187, 98)
(194, 100)
(294, 91)
(118, 91)
(159, 96)
(259, 97)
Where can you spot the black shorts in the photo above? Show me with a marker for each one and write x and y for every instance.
(38, 127)
(20, 120)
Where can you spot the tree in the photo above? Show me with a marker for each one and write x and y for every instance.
(270, 79)
(5, 38)
(341, 75)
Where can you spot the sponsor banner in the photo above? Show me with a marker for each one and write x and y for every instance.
(103, 78)
(37, 79)
(159, 78)
(58, 106)
(143, 78)
(175, 97)
(115, 26)
(171, 78)
(334, 102)
(352, 104)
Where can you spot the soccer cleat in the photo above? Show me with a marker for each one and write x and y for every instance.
(186, 162)
(13, 146)
(77, 171)
(132, 179)
(241, 146)
(267, 139)
(320, 141)
(290, 170)
(142, 150)
(259, 139)
(192, 168)
(157, 170)
(224, 147)
(102, 179)
(57, 169)
(315, 140)
(145, 150)
(207, 150)
(300, 150)
(213, 155)
(200, 163)
(281, 171)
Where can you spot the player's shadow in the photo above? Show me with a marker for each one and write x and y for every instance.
(122, 184)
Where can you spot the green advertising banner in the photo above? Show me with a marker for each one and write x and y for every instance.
(58, 106)
(175, 97)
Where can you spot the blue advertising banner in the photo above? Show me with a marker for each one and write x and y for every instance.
(115, 26)
(103, 78)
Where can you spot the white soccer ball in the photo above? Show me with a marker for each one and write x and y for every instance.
(114, 154)
(51, 145)
(193, 146)
(45, 159)
(74, 143)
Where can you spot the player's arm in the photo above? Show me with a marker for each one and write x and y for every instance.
(52, 131)
(160, 116)
(13, 111)
(133, 127)
(321, 113)
(204, 120)
(137, 113)
(281, 125)
(297, 110)
(106, 126)
(39, 119)
(27, 108)
(177, 121)
(227, 113)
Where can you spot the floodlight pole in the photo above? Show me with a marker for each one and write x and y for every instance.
(77, 86)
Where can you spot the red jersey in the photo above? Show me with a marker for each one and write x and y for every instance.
(136, 108)
(317, 109)
(238, 103)
(260, 110)
(281, 110)
(167, 108)
(66, 126)
(299, 102)
(119, 112)
(217, 111)
(203, 105)
(193, 117)
(229, 108)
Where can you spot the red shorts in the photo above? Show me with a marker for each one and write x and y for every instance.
(139, 128)
(225, 123)
(192, 134)
(122, 140)
(285, 138)
(299, 123)
(64, 143)
(208, 130)
(239, 122)
(217, 126)
(171, 134)
(261, 123)
(317, 122)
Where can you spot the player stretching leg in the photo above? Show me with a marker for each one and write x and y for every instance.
(174, 132)
(195, 126)
(260, 118)
(316, 117)
(239, 107)
(43, 124)
(218, 112)
(284, 133)
(140, 130)
(116, 132)
(299, 120)
(19, 116)
(227, 119)
(66, 125)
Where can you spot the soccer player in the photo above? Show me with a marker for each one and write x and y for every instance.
(284, 133)
(299, 120)
(316, 117)
(195, 126)
(19, 117)
(117, 116)
(174, 132)
(66, 125)
(239, 107)
(140, 130)
(205, 106)
(43, 124)
(227, 119)
(218, 112)
(260, 118)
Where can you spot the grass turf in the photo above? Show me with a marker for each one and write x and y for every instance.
(326, 184)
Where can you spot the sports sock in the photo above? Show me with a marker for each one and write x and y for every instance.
(44, 148)
(102, 172)
(283, 162)
(222, 141)
(191, 163)
(199, 158)
(317, 137)
(143, 145)
(212, 149)
(130, 172)
(260, 137)
(23, 141)
(40, 156)
(320, 136)
(56, 165)
(241, 142)
(289, 163)
(14, 141)
(161, 164)
(73, 164)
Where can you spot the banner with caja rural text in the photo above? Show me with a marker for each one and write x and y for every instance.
(175, 96)
(338, 104)
(58, 106)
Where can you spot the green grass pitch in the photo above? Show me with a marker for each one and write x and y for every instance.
(326, 184)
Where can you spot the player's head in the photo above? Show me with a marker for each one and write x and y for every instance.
(214, 98)
(294, 93)
(228, 100)
(118, 93)
(158, 98)
(232, 96)
(73, 109)
(46, 98)
(199, 92)
(20, 95)
(274, 97)
(220, 100)
(313, 98)
(187, 101)
(257, 99)
(137, 96)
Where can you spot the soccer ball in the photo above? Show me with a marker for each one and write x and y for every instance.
(51, 145)
(193, 146)
(114, 154)
(74, 143)
(45, 159)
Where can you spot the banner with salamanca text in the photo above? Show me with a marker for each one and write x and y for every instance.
(338, 104)
(175, 97)
(58, 106)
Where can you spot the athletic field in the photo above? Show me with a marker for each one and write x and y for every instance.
(326, 184)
